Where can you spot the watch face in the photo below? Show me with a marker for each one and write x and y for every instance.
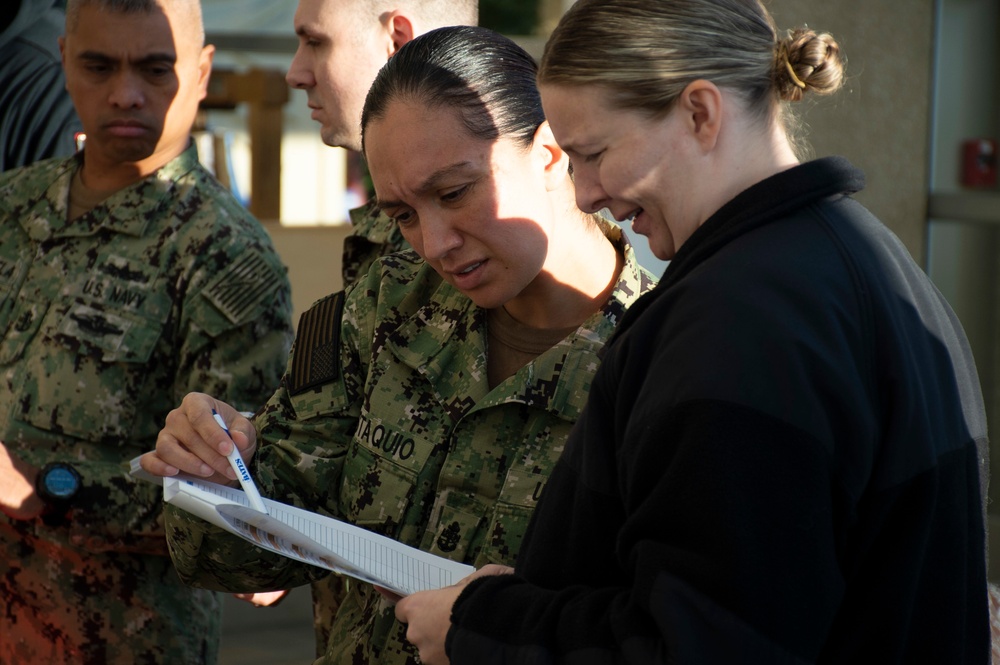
(61, 482)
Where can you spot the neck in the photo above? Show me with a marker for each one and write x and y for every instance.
(108, 175)
(747, 156)
(575, 282)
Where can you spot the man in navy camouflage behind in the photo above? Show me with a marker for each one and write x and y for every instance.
(128, 277)
(342, 46)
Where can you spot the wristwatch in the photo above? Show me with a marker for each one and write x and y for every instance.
(57, 485)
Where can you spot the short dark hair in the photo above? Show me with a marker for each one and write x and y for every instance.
(193, 7)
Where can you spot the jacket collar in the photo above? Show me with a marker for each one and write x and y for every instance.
(369, 222)
(768, 200)
(42, 214)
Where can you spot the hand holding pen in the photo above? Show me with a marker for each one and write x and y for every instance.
(193, 441)
(242, 472)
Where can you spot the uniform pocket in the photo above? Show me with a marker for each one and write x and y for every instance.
(89, 371)
(375, 492)
(503, 534)
(12, 273)
(455, 531)
(21, 320)
(502, 537)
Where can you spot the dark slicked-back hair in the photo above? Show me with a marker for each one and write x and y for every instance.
(483, 75)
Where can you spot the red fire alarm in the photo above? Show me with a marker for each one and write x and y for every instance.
(979, 163)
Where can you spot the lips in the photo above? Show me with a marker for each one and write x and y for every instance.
(639, 220)
(468, 276)
(126, 128)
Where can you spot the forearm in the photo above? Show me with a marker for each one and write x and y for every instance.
(206, 556)
(114, 512)
(111, 511)
(505, 619)
(583, 626)
(18, 499)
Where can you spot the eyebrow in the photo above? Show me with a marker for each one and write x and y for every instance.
(429, 183)
(305, 30)
(150, 59)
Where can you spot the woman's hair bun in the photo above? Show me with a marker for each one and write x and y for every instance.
(808, 61)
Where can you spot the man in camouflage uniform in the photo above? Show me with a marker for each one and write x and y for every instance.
(342, 45)
(128, 277)
(385, 418)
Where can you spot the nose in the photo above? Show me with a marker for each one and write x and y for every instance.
(127, 91)
(299, 74)
(590, 195)
(438, 238)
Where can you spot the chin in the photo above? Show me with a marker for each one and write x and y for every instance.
(328, 137)
(485, 300)
(340, 139)
(132, 151)
(662, 248)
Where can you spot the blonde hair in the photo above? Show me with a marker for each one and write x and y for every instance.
(647, 51)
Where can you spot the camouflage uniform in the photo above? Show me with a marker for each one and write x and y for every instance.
(372, 235)
(386, 420)
(106, 322)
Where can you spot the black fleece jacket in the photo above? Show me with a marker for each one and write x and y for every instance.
(778, 462)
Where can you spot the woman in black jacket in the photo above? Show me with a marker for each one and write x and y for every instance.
(779, 459)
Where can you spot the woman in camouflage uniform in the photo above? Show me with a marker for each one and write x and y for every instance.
(430, 401)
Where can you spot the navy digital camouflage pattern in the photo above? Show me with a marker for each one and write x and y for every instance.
(373, 234)
(384, 418)
(106, 322)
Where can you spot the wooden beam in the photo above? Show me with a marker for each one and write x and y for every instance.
(265, 93)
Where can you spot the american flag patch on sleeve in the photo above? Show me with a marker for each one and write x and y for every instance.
(316, 355)
(237, 291)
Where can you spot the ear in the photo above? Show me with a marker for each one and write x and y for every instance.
(205, 68)
(701, 106)
(399, 29)
(553, 160)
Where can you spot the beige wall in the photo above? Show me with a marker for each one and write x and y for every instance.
(313, 257)
(881, 119)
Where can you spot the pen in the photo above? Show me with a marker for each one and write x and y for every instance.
(242, 473)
